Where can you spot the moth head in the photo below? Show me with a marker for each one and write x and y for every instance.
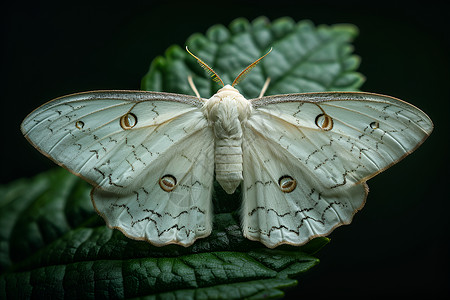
(226, 104)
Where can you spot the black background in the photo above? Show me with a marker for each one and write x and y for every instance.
(397, 245)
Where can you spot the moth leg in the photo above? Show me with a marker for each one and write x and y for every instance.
(264, 88)
(194, 89)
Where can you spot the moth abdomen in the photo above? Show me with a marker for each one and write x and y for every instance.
(228, 162)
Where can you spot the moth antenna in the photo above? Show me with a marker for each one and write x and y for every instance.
(207, 68)
(264, 88)
(248, 69)
(194, 89)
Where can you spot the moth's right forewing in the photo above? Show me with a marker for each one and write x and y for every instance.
(87, 133)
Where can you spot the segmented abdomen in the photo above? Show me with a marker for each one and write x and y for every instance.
(228, 160)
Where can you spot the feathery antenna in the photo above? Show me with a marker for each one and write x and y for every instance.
(207, 68)
(248, 69)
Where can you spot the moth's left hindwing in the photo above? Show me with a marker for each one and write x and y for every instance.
(149, 156)
(327, 145)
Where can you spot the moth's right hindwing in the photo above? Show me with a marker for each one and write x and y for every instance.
(124, 143)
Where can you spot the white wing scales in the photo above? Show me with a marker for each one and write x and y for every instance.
(124, 159)
(274, 217)
(368, 134)
(180, 216)
(87, 149)
(126, 143)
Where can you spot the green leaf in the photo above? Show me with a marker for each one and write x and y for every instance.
(53, 244)
(305, 58)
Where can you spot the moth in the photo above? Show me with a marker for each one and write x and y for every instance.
(302, 160)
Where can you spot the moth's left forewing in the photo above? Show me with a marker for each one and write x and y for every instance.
(330, 143)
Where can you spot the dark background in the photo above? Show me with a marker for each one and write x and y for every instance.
(397, 245)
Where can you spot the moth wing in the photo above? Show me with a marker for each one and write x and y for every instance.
(123, 143)
(363, 135)
(178, 216)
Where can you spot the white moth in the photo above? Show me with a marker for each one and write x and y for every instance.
(302, 159)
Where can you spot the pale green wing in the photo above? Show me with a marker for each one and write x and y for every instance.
(329, 144)
(124, 143)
